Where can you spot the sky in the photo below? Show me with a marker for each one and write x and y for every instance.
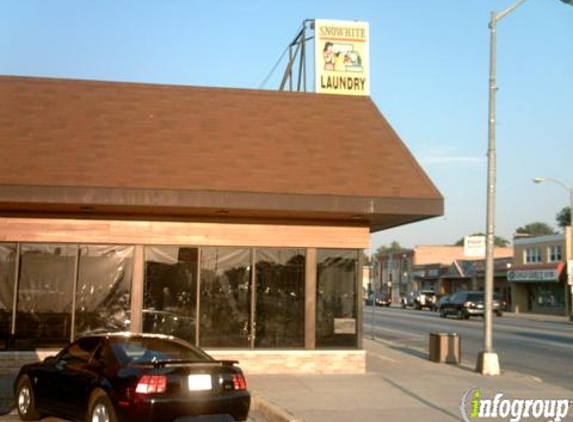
(429, 78)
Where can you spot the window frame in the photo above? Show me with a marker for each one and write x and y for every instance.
(555, 253)
(532, 255)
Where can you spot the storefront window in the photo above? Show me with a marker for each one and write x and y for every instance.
(45, 295)
(7, 269)
(225, 297)
(279, 278)
(549, 296)
(336, 304)
(170, 296)
(104, 289)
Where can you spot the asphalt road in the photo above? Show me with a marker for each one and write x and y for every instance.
(538, 348)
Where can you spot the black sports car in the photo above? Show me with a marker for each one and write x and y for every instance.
(132, 377)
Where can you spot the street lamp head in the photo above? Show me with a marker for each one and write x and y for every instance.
(540, 179)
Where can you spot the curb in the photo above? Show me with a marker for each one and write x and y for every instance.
(270, 411)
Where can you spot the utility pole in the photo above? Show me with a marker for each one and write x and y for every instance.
(488, 361)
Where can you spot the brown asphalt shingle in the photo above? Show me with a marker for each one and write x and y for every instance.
(56, 132)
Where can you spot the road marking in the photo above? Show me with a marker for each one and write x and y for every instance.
(499, 327)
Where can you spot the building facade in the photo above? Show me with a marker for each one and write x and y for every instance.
(539, 274)
(393, 273)
(469, 275)
(443, 269)
(234, 219)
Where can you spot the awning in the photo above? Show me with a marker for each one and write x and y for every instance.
(542, 273)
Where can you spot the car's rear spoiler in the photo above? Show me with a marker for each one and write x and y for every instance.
(160, 363)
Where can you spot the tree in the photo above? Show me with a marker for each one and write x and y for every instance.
(498, 241)
(563, 217)
(536, 229)
(394, 247)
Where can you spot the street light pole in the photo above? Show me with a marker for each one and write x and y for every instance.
(488, 362)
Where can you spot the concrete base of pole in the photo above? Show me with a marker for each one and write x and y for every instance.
(488, 363)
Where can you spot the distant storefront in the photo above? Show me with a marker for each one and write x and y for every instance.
(427, 277)
(234, 219)
(443, 269)
(538, 275)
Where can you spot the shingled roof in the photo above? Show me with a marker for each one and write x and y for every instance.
(74, 146)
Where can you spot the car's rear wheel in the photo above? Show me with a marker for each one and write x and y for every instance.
(499, 313)
(25, 400)
(101, 409)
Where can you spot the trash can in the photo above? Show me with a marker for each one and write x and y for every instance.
(444, 347)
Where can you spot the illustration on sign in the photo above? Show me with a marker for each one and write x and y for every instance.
(341, 52)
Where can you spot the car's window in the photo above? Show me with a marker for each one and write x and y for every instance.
(80, 351)
(456, 297)
(149, 350)
(497, 296)
(475, 297)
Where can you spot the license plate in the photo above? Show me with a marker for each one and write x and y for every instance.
(200, 382)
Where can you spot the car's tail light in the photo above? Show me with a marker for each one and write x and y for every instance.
(151, 384)
(239, 382)
(467, 304)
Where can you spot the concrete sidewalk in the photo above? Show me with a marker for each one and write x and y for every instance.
(400, 385)
(538, 317)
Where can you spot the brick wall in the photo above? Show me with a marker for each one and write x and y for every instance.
(251, 361)
(296, 361)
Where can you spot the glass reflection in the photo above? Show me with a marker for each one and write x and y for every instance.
(225, 297)
(104, 289)
(7, 268)
(170, 294)
(336, 306)
(280, 297)
(45, 295)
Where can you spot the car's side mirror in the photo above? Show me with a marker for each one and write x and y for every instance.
(61, 364)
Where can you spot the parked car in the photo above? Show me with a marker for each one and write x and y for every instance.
(131, 377)
(466, 304)
(441, 301)
(378, 299)
(419, 299)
